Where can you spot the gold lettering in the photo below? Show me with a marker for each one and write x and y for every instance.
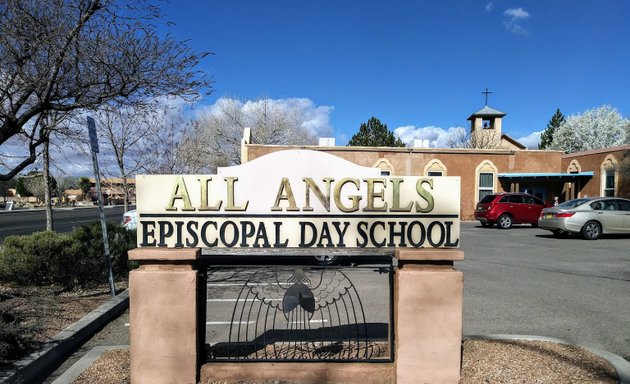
(354, 198)
(325, 200)
(396, 197)
(285, 193)
(426, 195)
(179, 192)
(372, 193)
(230, 196)
(204, 196)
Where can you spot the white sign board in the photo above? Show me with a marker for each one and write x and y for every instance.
(297, 199)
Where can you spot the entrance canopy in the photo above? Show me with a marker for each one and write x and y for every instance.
(553, 177)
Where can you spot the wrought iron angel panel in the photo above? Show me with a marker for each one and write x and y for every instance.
(298, 313)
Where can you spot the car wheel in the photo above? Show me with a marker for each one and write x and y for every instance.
(325, 259)
(591, 230)
(484, 224)
(505, 221)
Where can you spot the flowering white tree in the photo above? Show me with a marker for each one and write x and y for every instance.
(599, 127)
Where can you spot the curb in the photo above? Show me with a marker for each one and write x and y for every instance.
(84, 363)
(621, 365)
(37, 366)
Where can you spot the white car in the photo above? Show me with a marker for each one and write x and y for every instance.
(130, 220)
(590, 217)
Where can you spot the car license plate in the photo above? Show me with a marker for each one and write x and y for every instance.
(549, 216)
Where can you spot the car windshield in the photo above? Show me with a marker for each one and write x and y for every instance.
(573, 203)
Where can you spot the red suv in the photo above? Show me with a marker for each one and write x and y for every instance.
(506, 209)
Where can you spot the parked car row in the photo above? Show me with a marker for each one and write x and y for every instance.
(591, 217)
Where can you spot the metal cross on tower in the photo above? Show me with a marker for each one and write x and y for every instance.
(486, 92)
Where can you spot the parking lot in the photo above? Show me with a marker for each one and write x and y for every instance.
(525, 281)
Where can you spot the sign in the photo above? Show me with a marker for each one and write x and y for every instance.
(92, 131)
(297, 199)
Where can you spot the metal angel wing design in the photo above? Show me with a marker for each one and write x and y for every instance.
(298, 313)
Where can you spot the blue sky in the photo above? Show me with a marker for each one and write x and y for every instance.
(419, 66)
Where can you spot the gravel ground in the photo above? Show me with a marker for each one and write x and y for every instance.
(484, 361)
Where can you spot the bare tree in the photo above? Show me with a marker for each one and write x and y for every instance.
(66, 55)
(52, 126)
(35, 183)
(483, 139)
(174, 147)
(220, 130)
(126, 132)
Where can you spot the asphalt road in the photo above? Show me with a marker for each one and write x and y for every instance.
(525, 281)
(23, 222)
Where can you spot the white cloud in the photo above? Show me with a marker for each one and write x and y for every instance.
(438, 137)
(530, 141)
(513, 23)
(489, 7)
(517, 13)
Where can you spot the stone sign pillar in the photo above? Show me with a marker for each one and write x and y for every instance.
(163, 315)
(428, 299)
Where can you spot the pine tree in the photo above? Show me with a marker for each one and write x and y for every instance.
(546, 138)
(375, 134)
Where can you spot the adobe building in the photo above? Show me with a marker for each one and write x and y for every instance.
(508, 167)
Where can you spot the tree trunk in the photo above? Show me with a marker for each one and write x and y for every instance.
(126, 192)
(47, 200)
(123, 174)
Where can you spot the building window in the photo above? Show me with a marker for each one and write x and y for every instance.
(435, 168)
(609, 177)
(574, 167)
(609, 183)
(486, 184)
(385, 166)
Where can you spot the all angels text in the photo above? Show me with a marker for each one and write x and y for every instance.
(378, 218)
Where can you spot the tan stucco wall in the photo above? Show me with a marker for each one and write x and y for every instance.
(458, 162)
(592, 161)
(163, 316)
(347, 373)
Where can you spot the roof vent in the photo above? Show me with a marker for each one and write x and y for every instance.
(420, 143)
(326, 141)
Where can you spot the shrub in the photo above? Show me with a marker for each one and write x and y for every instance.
(74, 259)
(90, 262)
(36, 259)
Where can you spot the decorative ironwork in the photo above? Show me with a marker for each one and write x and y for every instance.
(301, 313)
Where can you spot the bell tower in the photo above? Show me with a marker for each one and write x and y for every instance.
(485, 124)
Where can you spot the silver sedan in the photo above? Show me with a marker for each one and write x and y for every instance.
(590, 217)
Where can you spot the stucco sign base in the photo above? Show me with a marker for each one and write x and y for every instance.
(350, 373)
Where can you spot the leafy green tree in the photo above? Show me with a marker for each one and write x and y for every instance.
(375, 134)
(546, 138)
(21, 188)
(84, 185)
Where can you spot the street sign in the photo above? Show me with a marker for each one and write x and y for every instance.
(94, 143)
(92, 131)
